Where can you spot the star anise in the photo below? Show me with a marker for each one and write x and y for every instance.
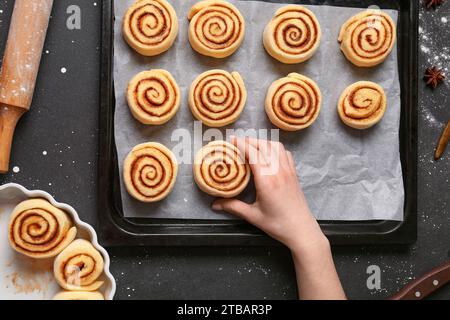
(432, 3)
(433, 77)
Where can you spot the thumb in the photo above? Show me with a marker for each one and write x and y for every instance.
(236, 207)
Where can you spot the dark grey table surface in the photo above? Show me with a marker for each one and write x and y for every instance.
(56, 150)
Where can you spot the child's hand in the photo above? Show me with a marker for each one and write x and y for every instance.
(280, 209)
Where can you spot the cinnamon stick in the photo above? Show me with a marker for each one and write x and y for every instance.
(443, 142)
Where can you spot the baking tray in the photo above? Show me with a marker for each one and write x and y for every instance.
(116, 230)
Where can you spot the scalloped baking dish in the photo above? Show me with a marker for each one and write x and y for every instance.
(23, 278)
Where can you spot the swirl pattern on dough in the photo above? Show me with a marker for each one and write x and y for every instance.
(150, 172)
(153, 97)
(362, 105)
(217, 98)
(78, 267)
(39, 230)
(216, 28)
(150, 26)
(293, 35)
(368, 38)
(220, 170)
(293, 103)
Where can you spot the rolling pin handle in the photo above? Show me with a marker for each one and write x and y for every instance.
(9, 116)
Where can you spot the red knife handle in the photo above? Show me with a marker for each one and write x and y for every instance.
(425, 285)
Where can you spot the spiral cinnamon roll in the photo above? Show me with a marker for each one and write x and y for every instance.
(216, 28)
(78, 295)
(78, 267)
(217, 98)
(293, 35)
(368, 38)
(150, 172)
(220, 170)
(39, 230)
(153, 97)
(150, 27)
(293, 103)
(362, 105)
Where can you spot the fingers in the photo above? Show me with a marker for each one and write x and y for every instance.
(238, 208)
(267, 157)
(267, 151)
(262, 145)
(273, 151)
(291, 162)
(252, 155)
(270, 150)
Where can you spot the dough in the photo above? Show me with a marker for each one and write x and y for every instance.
(368, 38)
(362, 105)
(293, 35)
(217, 98)
(150, 26)
(39, 230)
(150, 172)
(293, 103)
(78, 295)
(220, 170)
(216, 28)
(78, 267)
(153, 97)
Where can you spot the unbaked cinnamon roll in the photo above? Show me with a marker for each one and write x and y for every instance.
(220, 170)
(150, 172)
(368, 38)
(216, 28)
(39, 230)
(153, 97)
(150, 26)
(293, 103)
(78, 295)
(78, 267)
(293, 35)
(362, 105)
(217, 98)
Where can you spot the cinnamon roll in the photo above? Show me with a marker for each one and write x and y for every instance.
(150, 27)
(293, 35)
(217, 98)
(220, 170)
(368, 38)
(362, 105)
(293, 103)
(153, 97)
(150, 172)
(216, 28)
(39, 230)
(78, 295)
(78, 267)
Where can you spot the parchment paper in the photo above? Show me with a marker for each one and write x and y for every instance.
(346, 174)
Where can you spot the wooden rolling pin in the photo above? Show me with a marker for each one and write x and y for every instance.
(21, 61)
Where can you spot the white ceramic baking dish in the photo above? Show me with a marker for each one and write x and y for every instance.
(23, 278)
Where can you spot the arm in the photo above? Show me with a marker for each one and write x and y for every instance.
(281, 211)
